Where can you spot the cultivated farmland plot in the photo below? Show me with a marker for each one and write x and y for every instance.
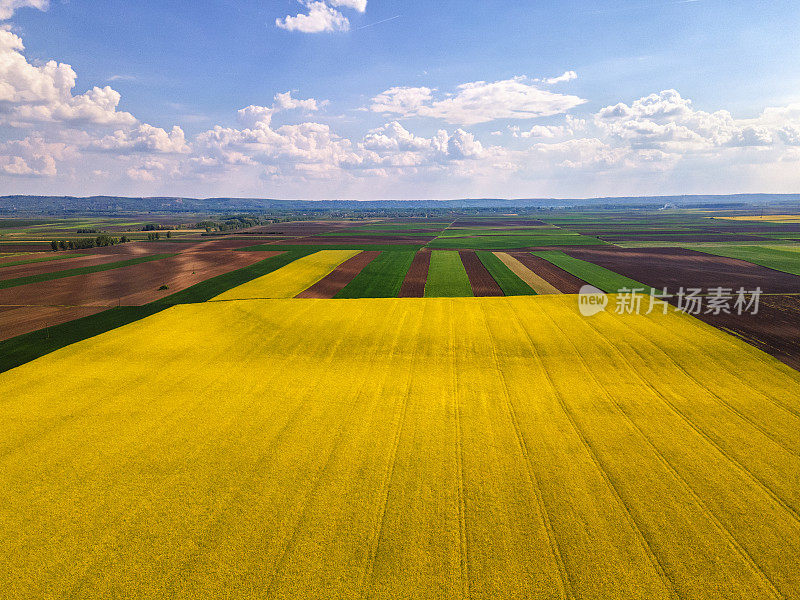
(391, 448)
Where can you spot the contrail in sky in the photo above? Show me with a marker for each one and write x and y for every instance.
(378, 22)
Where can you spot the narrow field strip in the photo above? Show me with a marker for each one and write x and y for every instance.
(381, 278)
(510, 242)
(509, 282)
(480, 279)
(336, 280)
(40, 259)
(290, 280)
(447, 277)
(449, 448)
(566, 282)
(536, 283)
(316, 246)
(779, 259)
(49, 266)
(9, 283)
(417, 276)
(599, 277)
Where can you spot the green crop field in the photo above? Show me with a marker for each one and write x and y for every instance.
(509, 242)
(447, 276)
(381, 278)
(505, 278)
(593, 274)
(779, 259)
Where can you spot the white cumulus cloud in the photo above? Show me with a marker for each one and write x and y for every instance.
(41, 94)
(145, 138)
(7, 7)
(476, 102)
(564, 77)
(319, 18)
(358, 5)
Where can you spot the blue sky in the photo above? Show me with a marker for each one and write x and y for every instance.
(392, 99)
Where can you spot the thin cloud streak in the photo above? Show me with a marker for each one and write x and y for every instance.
(377, 23)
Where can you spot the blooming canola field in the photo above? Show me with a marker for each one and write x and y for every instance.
(493, 447)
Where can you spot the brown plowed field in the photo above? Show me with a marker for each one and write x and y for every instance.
(15, 321)
(417, 276)
(224, 243)
(332, 284)
(109, 254)
(564, 282)
(301, 228)
(675, 267)
(775, 329)
(135, 249)
(133, 285)
(25, 247)
(416, 240)
(498, 223)
(481, 281)
(52, 266)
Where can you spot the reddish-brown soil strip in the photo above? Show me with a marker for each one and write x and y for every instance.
(564, 282)
(332, 284)
(417, 276)
(775, 329)
(675, 267)
(133, 285)
(481, 281)
(18, 320)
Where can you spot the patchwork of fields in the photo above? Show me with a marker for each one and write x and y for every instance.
(396, 408)
(441, 448)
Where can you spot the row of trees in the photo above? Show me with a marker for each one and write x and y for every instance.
(99, 241)
(157, 236)
(231, 223)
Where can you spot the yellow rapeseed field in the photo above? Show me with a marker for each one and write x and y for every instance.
(292, 279)
(498, 448)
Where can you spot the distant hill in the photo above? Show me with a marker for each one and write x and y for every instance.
(55, 205)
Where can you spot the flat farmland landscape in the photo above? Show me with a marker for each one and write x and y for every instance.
(466, 447)
(392, 407)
